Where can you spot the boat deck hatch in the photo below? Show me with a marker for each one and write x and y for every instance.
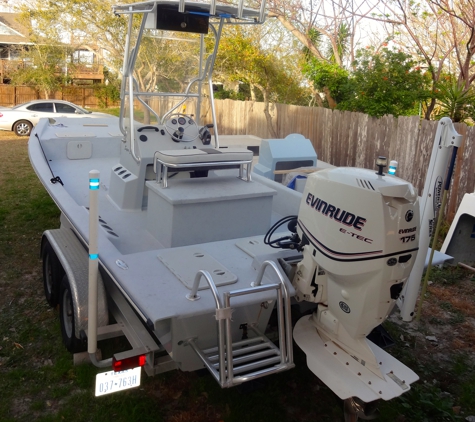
(196, 260)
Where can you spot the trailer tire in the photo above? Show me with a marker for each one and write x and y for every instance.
(53, 273)
(67, 319)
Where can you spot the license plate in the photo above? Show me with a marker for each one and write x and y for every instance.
(111, 382)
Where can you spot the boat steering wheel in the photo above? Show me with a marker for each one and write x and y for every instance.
(181, 127)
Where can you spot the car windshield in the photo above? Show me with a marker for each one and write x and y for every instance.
(83, 110)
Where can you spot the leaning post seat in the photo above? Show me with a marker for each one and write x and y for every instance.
(201, 159)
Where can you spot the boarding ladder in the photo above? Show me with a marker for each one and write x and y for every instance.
(234, 363)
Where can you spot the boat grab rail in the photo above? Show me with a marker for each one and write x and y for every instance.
(288, 326)
(160, 167)
(137, 96)
(225, 376)
(193, 295)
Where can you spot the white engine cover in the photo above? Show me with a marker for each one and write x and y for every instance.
(362, 231)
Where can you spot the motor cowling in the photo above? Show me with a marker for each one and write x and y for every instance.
(362, 233)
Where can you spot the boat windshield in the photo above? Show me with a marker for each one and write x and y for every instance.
(168, 76)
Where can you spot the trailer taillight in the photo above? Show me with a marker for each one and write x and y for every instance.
(128, 363)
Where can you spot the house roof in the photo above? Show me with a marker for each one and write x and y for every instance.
(11, 32)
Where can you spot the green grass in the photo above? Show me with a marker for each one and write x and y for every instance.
(428, 400)
(447, 276)
(115, 111)
(38, 381)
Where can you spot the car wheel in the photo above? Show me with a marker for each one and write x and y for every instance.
(22, 128)
(52, 274)
(67, 319)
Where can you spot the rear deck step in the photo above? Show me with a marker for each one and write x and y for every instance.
(254, 357)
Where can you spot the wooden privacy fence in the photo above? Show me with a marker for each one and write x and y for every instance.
(341, 138)
(344, 138)
(85, 96)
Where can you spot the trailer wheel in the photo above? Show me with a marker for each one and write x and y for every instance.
(53, 273)
(67, 319)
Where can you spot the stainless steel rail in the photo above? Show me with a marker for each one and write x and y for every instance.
(234, 363)
(160, 168)
(288, 326)
(221, 329)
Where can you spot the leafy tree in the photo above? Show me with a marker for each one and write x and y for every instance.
(339, 48)
(44, 68)
(454, 100)
(92, 25)
(242, 59)
(45, 61)
(85, 23)
(328, 78)
(330, 19)
(327, 32)
(388, 82)
(441, 32)
(241, 93)
(108, 92)
(327, 73)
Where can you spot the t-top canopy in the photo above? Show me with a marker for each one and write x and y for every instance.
(209, 9)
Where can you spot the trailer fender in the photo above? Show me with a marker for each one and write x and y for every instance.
(75, 260)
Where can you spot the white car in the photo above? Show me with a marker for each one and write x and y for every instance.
(21, 118)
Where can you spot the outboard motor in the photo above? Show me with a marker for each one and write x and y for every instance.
(359, 233)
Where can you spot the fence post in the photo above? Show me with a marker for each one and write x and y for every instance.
(454, 198)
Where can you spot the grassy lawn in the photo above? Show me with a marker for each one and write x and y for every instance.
(115, 111)
(38, 381)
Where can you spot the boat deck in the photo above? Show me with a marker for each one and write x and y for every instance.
(158, 274)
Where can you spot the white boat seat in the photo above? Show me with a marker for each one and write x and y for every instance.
(201, 159)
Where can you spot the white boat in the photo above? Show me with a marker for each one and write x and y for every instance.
(190, 250)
